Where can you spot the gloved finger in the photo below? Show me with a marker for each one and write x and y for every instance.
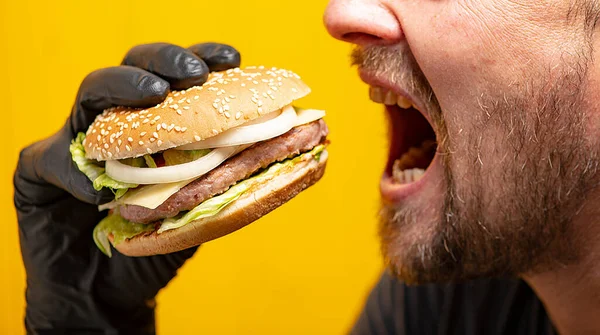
(46, 170)
(116, 86)
(217, 56)
(179, 66)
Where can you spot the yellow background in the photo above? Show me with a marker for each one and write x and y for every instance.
(305, 268)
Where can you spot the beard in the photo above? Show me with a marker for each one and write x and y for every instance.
(515, 176)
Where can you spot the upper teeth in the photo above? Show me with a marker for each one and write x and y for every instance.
(383, 96)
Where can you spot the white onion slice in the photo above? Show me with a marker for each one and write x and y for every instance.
(169, 174)
(249, 133)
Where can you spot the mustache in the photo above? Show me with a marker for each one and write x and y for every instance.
(397, 64)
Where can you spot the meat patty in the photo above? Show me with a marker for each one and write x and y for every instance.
(239, 167)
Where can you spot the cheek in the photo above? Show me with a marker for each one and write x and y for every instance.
(467, 48)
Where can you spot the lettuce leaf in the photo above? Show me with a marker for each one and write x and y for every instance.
(119, 188)
(95, 172)
(87, 166)
(119, 228)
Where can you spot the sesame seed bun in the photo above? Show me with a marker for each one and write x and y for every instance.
(228, 99)
(243, 211)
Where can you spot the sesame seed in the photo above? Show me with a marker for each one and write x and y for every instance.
(227, 115)
(197, 138)
(152, 139)
(232, 96)
(243, 85)
(159, 142)
(238, 115)
(128, 148)
(142, 133)
(106, 145)
(109, 154)
(145, 121)
(155, 134)
(215, 131)
(196, 97)
(119, 142)
(255, 82)
(148, 150)
(260, 103)
(188, 101)
(117, 149)
(141, 142)
(158, 127)
(260, 110)
(181, 101)
(186, 107)
(183, 129)
(179, 112)
(130, 139)
(177, 128)
(215, 105)
(164, 126)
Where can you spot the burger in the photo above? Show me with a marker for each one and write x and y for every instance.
(205, 162)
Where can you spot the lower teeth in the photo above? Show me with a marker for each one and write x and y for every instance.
(403, 171)
(407, 176)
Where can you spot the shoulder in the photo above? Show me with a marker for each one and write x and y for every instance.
(490, 306)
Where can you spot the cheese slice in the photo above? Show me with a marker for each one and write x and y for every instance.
(305, 116)
(151, 196)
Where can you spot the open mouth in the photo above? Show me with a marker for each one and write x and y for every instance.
(412, 139)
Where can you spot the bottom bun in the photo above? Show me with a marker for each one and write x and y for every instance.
(243, 211)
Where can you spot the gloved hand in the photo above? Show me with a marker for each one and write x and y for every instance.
(71, 286)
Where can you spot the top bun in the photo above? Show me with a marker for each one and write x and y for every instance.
(228, 99)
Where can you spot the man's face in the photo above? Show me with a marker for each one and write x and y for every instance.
(504, 87)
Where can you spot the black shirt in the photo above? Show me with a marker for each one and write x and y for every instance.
(484, 306)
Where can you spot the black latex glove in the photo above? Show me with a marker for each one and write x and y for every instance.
(71, 286)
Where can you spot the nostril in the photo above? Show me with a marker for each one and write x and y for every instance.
(362, 38)
(362, 22)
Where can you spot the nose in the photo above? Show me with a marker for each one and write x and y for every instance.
(362, 22)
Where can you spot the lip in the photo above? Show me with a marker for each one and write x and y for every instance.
(392, 192)
(373, 80)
